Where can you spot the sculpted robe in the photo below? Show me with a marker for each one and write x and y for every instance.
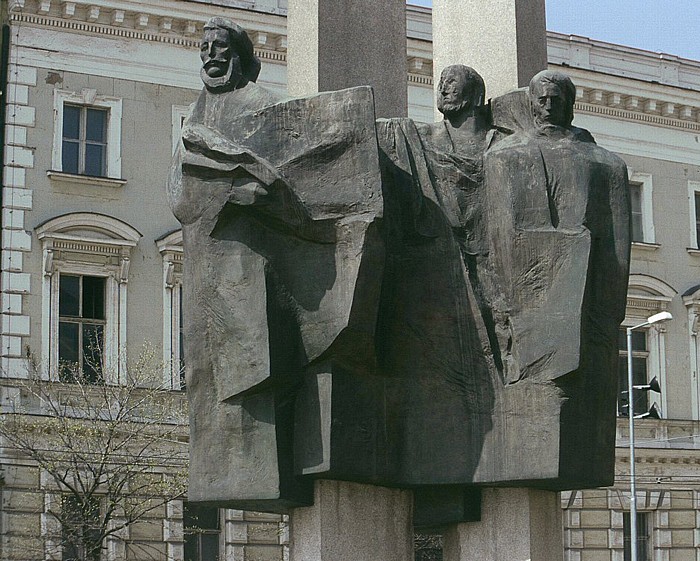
(559, 245)
(434, 347)
(280, 203)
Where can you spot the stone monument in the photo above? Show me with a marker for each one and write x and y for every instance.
(421, 307)
(284, 281)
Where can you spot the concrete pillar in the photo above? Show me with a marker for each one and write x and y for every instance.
(353, 522)
(504, 40)
(337, 44)
(516, 524)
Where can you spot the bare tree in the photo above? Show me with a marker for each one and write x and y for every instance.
(113, 453)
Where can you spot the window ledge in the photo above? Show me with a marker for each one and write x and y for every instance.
(693, 250)
(84, 179)
(645, 246)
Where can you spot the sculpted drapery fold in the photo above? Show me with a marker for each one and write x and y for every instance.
(425, 306)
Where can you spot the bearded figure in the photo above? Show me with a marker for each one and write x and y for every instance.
(280, 203)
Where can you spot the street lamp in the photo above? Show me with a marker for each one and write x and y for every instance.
(656, 318)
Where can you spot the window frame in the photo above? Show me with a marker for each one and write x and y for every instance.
(691, 300)
(622, 372)
(83, 141)
(96, 504)
(694, 212)
(171, 250)
(91, 245)
(81, 320)
(209, 532)
(645, 183)
(89, 98)
(644, 519)
(112, 313)
(646, 296)
(179, 114)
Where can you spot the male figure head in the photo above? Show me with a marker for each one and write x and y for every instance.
(460, 91)
(552, 95)
(228, 61)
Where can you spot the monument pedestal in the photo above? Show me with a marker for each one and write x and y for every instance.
(516, 524)
(353, 522)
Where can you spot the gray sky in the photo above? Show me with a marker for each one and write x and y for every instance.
(669, 26)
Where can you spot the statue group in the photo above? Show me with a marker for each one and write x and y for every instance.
(423, 306)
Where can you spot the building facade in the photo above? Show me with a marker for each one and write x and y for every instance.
(94, 102)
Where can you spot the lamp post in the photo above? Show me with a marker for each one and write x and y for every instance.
(656, 318)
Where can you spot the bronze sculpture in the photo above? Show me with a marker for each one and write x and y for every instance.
(406, 305)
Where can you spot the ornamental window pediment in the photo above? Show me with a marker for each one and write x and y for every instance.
(87, 236)
(84, 292)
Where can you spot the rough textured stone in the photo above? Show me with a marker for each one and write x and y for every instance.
(429, 306)
(285, 280)
(517, 524)
(24, 501)
(353, 521)
(336, 44)
(506, 43)
(557, 206)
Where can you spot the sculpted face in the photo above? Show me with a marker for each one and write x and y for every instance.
(550, 104)
(454, 91)
(221, 64)
(215, 52)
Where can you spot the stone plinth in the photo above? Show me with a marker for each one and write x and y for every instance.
(516, 524)
(337, 44)
(353, 522)
(504, 40)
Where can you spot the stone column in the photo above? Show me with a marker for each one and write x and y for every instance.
(516, 524)
(353, 522)
(504, 40)
(337, 44)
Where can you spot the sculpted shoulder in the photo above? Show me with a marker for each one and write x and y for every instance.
(233, 103)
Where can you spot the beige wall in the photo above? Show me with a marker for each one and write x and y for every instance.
(647, 117)
(141, 202)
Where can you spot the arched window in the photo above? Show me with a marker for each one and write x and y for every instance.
(86, 270)
(646, 296)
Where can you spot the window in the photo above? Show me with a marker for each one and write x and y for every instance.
(87, 135)
(81, 327)
(202, 530)
(179, 114)
(646, 296)
(170, 247)
(84, 295)
(79, 533)
(691, 299)
(697, 217)
(180, 344)
(637, 216)
(642, 208)
(643, 545)
(694, 207)
(84, 149)
(640, 355)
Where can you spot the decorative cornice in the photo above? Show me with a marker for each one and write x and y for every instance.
(172, 29)
(182, 28)
(111, 30)
(646, 112)
(656, 304)
(661, 459)
(86, 247)
(421, 79)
